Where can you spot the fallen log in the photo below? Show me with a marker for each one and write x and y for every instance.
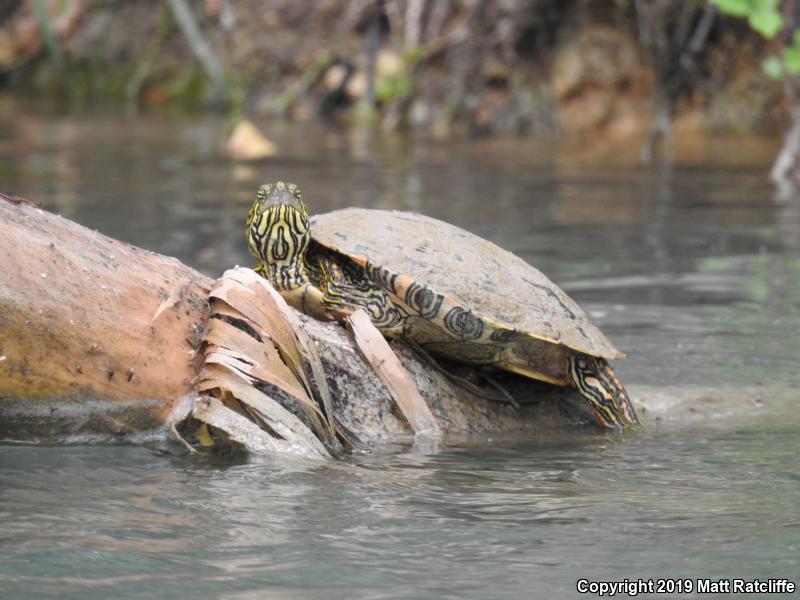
(100, 338)
(96, 336)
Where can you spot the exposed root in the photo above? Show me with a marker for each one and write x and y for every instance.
(181, 439)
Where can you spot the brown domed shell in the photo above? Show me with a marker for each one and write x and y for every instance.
(490, 281)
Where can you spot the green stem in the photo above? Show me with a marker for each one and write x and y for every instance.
(202, 50)
(51, 40)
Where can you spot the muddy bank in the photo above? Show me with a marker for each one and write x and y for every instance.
(531, 66)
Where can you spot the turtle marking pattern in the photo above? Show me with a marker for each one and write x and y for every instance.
(282, 236)
(595, 379)
(382, 276)
(345, 283)
(425, 301)
(463, 324)
(279, 236)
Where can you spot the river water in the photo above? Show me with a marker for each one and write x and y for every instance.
(694, 270)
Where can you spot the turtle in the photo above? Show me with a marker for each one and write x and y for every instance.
(454, 294)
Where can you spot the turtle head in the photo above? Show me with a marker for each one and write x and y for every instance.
(600, 387)
(278, 234)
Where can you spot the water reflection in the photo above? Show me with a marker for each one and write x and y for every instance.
(495, 519)
(693, 270)
(662, 258)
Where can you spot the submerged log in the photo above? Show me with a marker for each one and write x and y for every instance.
(99, 337)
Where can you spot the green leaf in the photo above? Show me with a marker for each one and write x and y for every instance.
(791, 57)
(737, 8)
(772, 67)
(763, 15)
(767, 21)
(764, 5)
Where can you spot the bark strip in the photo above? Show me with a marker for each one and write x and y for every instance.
(387, 366)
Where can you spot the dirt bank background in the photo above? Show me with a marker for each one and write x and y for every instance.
(442, 66)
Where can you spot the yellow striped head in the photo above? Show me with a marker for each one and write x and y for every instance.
(604, 392)
(277, 231)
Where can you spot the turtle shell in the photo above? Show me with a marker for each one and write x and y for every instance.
(487, 280)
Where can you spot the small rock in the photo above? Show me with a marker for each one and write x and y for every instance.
(248, 143)
(334, 77)
(389, 63)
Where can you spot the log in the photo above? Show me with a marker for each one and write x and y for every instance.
(100, 338)
(96, 336)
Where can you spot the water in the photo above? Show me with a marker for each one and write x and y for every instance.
(694, 271)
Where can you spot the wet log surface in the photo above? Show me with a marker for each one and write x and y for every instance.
(83, 343)
(99, 338)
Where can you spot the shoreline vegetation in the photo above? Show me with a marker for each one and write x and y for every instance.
(626, 69)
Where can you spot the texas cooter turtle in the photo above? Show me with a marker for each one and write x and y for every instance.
(452, 292)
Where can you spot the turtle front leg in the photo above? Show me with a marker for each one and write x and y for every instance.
(308, 299)
(300, 294)
(344, 291)
(598, 384)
